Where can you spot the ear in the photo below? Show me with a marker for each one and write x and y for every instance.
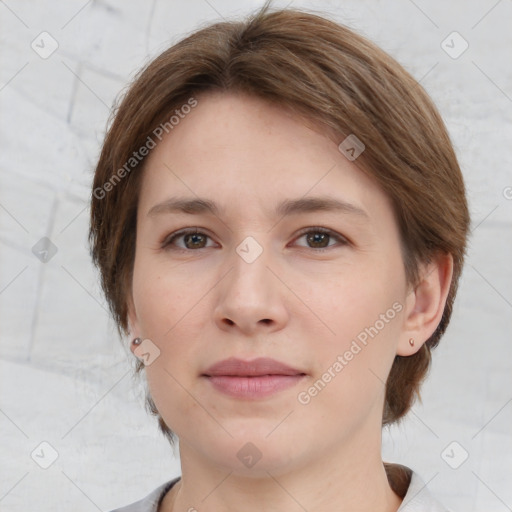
(425, 304)
(133, 324)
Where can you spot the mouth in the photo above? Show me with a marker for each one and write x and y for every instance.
(254, 379)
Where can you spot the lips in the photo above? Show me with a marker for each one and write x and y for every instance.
(254, 368)
(252, 380)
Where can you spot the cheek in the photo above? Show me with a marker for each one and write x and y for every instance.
(161, 298)
(347, 302)
(361, 317)
(168, 393)
(169, 313)
(349, 381)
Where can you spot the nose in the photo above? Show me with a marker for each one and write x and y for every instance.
(251, 298)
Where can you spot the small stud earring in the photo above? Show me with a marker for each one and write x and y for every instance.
(411, 342)
(137, 341)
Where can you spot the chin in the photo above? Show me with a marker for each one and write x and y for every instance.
(255, 454)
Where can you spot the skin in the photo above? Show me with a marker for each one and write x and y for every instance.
(294, 303)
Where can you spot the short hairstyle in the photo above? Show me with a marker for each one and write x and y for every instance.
(327, 74)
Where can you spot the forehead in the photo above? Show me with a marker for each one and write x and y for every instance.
(246, 154)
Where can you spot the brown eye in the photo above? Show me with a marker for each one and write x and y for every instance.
(318, 238)
(192, 239)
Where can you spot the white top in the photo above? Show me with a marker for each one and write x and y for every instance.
(417, 498)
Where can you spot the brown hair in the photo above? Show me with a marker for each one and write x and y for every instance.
(329, 75)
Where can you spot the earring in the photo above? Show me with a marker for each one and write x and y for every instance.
(137, 341)
(411, 342)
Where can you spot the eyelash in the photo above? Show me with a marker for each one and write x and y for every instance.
(168, 241)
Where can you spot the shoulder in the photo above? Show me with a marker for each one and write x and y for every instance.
(418, 497)
(151, 502)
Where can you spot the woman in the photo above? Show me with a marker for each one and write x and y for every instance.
(280, 224)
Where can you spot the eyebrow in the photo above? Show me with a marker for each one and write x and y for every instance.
(198, 205)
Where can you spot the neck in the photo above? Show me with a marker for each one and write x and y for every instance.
(352, 478)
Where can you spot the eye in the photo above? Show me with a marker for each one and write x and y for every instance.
(192, 236)
(195, 239)
(318, 237)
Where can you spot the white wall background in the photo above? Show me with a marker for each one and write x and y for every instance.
(65, 377)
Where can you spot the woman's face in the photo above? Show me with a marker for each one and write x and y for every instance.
(321, 290)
